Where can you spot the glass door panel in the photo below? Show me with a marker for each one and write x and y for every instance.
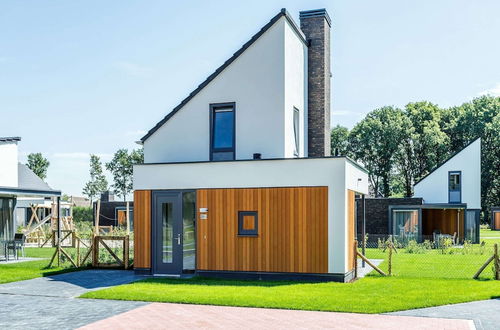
(405, 224)
(167, 232)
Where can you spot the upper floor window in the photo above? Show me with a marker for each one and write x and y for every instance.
(455, 187)
(222, 131)
(296, 118)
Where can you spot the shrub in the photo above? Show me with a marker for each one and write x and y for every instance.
(485, 226)
(83, 214)
(445, 245)
(414, 248)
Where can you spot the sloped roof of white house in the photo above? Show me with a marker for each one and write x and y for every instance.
(282, 13)
(446, 161)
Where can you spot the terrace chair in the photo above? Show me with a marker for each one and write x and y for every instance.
(16, 245)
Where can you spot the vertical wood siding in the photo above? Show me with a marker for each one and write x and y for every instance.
(443, 220)
(142, 229)
(351, 220)
(292, 226)
(497, 220)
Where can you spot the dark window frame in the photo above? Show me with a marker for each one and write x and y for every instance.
(245, 232)
(450, 173)
(296, 132)
(213, 109)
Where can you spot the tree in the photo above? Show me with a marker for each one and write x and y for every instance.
(490, 164)
(121, 166)
(97, 183)
(374, 141)
(38, 164)
(429, 142)
(339, 137)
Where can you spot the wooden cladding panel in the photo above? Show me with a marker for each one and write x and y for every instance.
(292, 230)
(351, 219)
(496, 216)
(448, 221)
(142, 229)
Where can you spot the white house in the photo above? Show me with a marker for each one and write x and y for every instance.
(17, 181)
(451, 196)
(238, 180)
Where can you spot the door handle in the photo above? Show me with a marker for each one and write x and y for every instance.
(178, 239)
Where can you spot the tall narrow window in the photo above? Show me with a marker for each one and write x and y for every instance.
(296, 118)
(455, 187)
(222, 131)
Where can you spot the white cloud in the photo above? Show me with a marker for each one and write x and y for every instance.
(495, 91)
(132, 69)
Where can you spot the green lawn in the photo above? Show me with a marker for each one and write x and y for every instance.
(31, 269)
(367, 295)
(488, 233)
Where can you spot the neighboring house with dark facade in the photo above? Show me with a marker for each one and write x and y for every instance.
(113, 212)
(446, 202)
(17, 181)
(238, 180)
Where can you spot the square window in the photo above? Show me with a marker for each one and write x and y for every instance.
(248, 223)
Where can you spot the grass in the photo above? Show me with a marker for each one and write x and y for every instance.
(31, 269)
(488, 233)
(422, 280)
(367, 295)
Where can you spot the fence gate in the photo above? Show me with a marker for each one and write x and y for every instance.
(110, 252)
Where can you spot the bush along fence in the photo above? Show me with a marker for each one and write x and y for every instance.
(388, 256)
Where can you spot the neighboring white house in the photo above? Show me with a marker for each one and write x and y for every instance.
(451, 196)
(16, 181)
(457, 180)
(245, 160)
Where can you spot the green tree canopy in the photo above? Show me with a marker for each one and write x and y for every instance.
(121, 166)
(339, 140)
(38, 164)
(97, 183)
(374, 141)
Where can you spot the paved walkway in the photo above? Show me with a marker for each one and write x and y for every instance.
(485, 313)
(49, 303)
(69, 285)
(178, 316)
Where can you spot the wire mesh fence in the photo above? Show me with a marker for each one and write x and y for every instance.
(442, 258)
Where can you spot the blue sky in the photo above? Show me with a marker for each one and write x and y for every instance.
(80, 77)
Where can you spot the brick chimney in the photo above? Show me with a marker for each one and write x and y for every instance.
(316, 26)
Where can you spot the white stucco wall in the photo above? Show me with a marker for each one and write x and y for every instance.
(255, 81)
(295, 91)
(434, 188)
(330, 172)
(8, 164)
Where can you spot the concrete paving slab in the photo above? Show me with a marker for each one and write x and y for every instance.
(178, 316)
(485, 313)
(69, 284)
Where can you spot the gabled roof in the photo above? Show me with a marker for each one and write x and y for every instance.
(447, 159)
(29, 184)
(10, 139)
(27, 179)
(282, 13)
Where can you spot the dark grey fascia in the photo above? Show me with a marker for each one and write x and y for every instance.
(28, 192)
